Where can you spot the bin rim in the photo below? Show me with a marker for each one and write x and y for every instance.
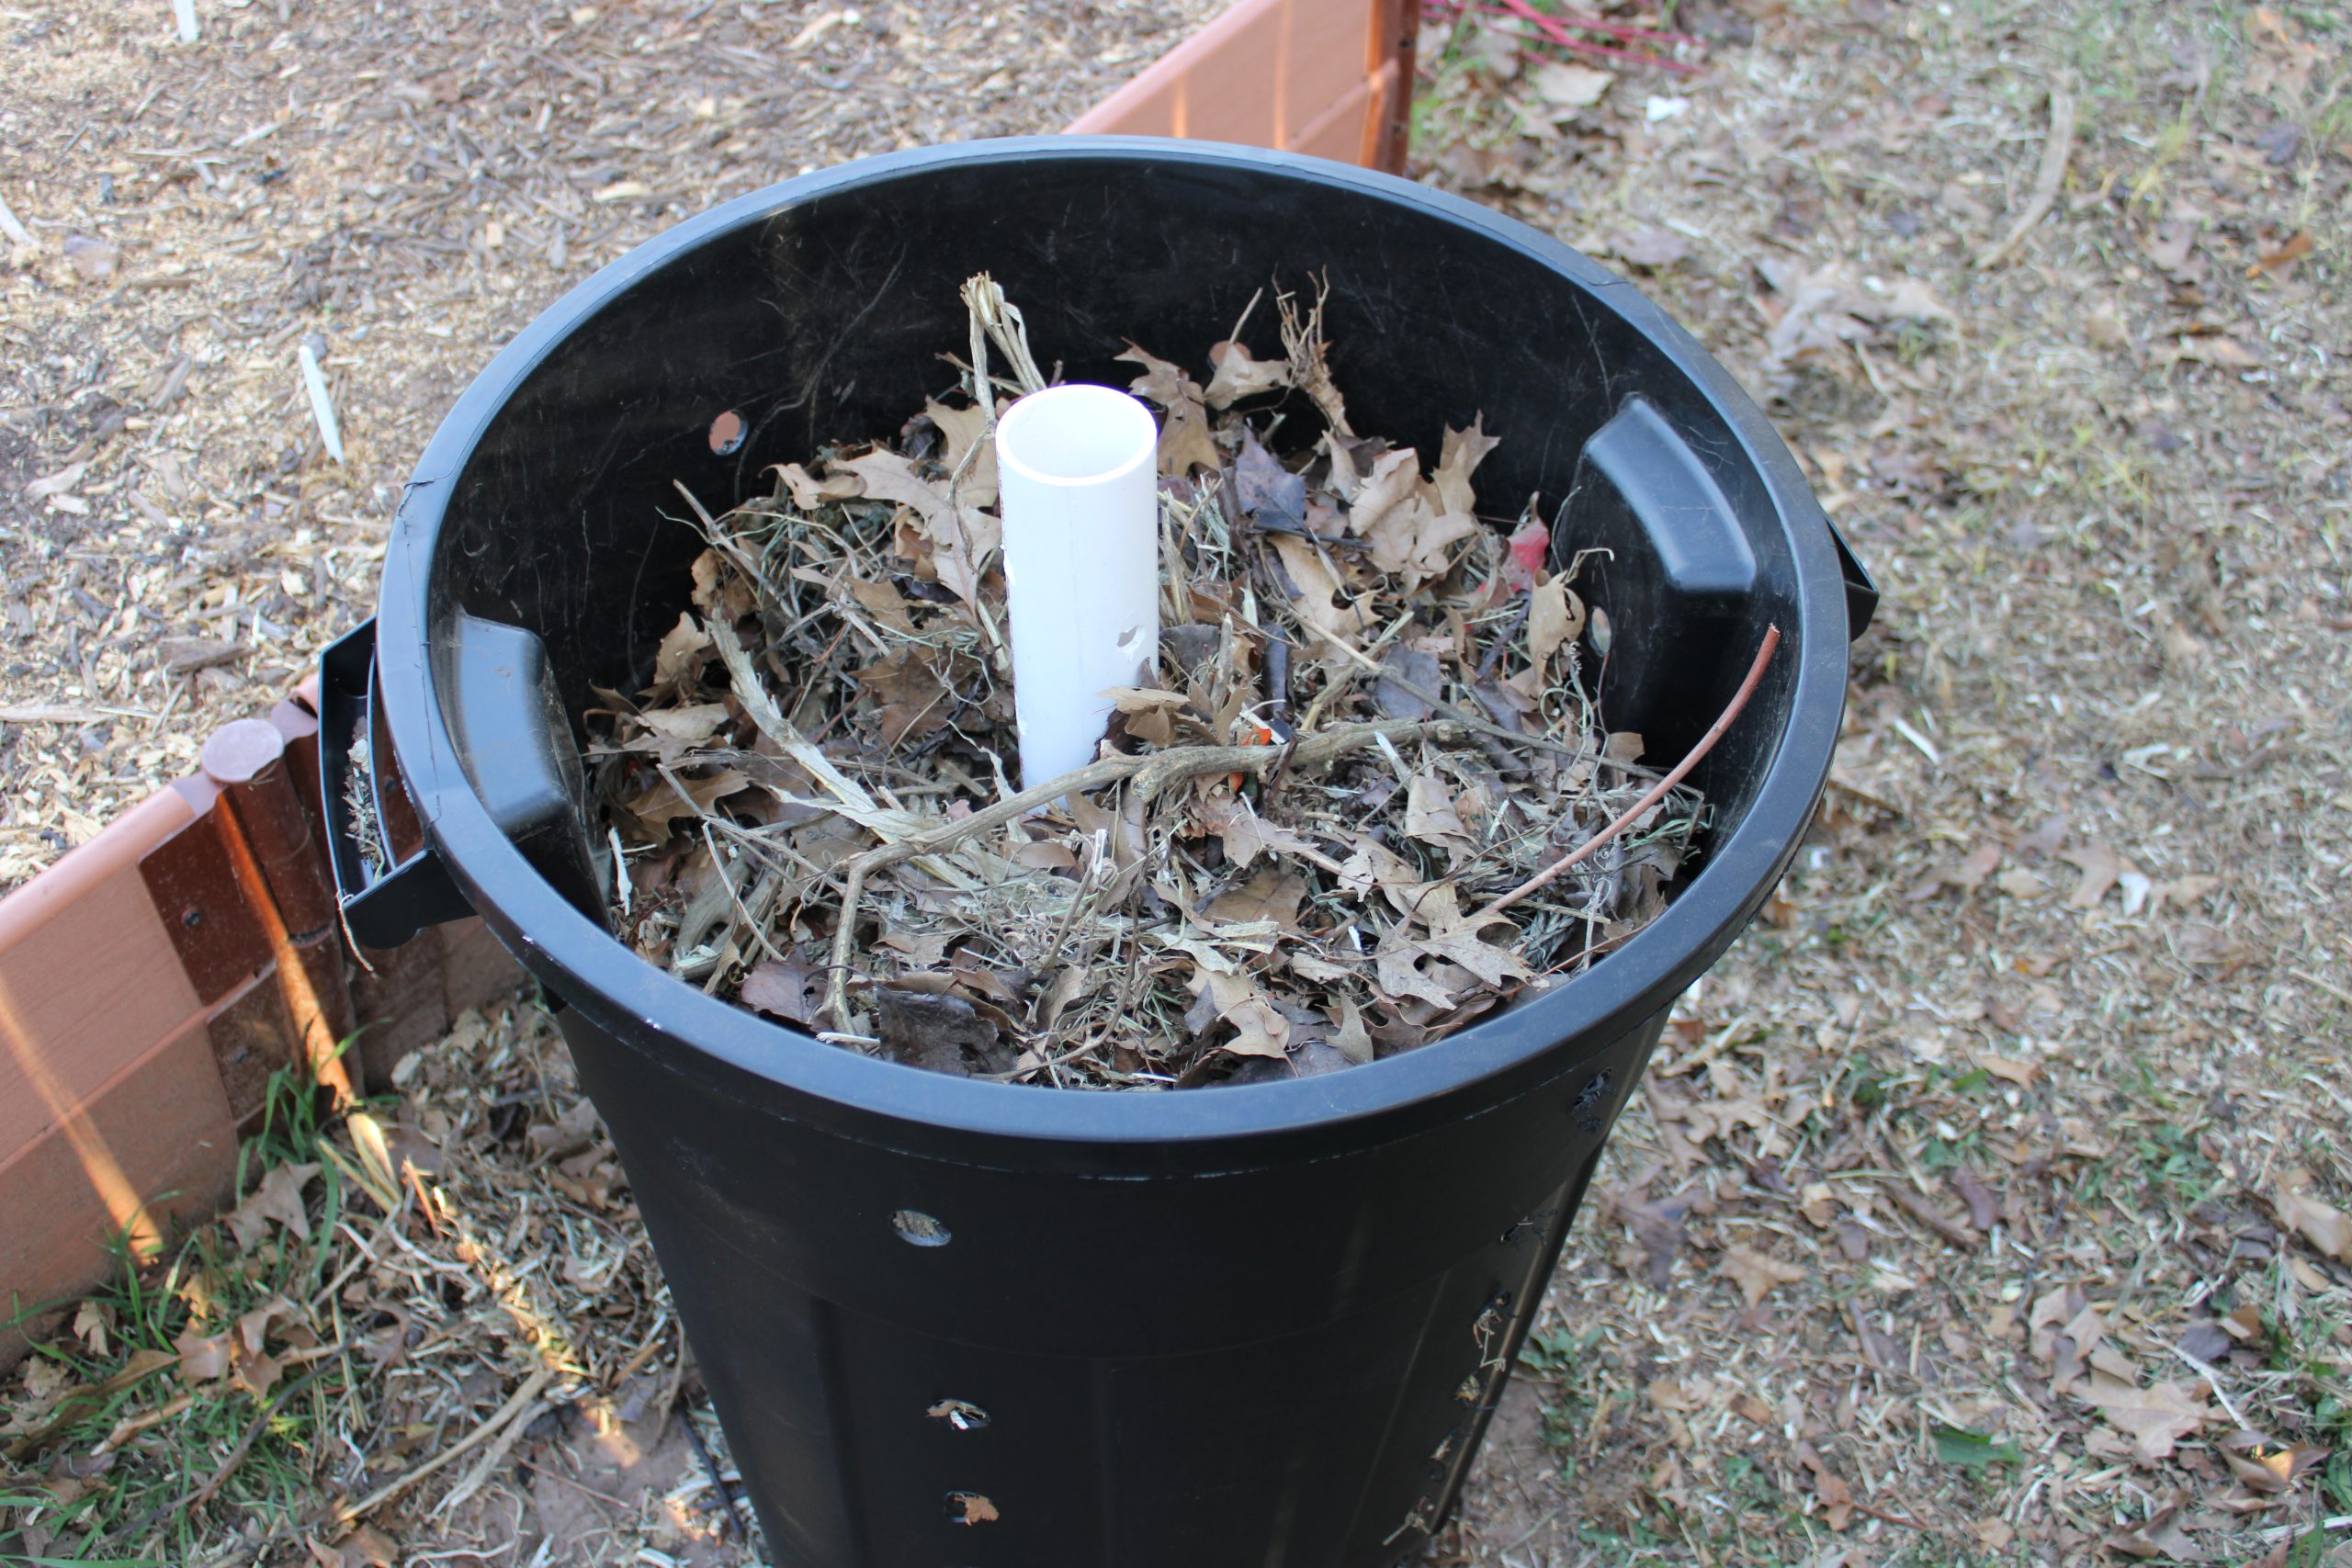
(592, 970)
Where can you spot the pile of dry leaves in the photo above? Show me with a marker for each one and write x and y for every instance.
(1331, 829)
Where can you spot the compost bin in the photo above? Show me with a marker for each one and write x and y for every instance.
(957, 1324)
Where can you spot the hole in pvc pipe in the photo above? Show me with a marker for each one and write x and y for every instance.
(1131, 646)
(919, 1229)
(970, 1508)
(960, 1414)
(727, 433)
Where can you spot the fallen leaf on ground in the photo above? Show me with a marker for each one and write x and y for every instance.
(2266, 1466)
(681, 652)
(1317, 589)
(203, 1357)
(2293, 250)
(277, 1198)
(1459, 457)
(2154, 1417)
(1554, 616)
(1570, 87)
(2099, 868)
(1757, 1274)
(1650, 247)
(2159, 1535)
(92, 1321)
(1239, 374)
(1270, 894)
(1185, 441)
(367, 1547)
(2323, 1225)
(1836, 1497)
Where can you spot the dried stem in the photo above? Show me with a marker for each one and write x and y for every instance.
(1467, 719)
(1656, 793)
(1152, 774)
(771, 722)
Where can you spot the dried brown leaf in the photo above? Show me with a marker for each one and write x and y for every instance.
(2159, 1535)
(2322, 1224)
(1270, 894)
(1458, 457)
(1322, 601)
(793, 989)
(203, 1357)
(1836, 1497)
(2154, 1418)
(1756, 1273)
(277, 1198)
(1262, 1031)
(1184, 441)
(1554, 618)
(680, 657)
(1566, 87)
(961, 538)
(2099, 869)
(1239, 374)
(809, 492)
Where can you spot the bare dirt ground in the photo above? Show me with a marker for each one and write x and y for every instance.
(404, 188)
(1985, 1207)
(1981, 1208)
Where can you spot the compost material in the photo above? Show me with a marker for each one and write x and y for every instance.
(1366, 798)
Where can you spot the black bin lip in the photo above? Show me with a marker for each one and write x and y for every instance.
(652, 1010)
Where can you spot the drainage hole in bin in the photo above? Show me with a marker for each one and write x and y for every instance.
(727, 433)
(970, 1508)
(960, 1414)
(919, 1229)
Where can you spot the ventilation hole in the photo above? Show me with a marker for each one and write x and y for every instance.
(1591, 1100)
(960, 1414)
(970, 1508)
(919, 1229)
(727, 433)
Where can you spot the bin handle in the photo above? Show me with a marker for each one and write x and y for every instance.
(1861, 589)
(384, 901)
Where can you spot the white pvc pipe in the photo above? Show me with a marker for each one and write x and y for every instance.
(1076, 476)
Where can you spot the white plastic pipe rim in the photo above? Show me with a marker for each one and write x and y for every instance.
(1078, 481)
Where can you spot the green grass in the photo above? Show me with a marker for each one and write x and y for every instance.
(145, 1496)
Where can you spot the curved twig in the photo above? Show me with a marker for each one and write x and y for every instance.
(1656, 791)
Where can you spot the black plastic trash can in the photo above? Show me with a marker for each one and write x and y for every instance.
(954, 1323)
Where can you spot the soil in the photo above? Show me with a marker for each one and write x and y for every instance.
(404, 188)
(2049, 1017)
